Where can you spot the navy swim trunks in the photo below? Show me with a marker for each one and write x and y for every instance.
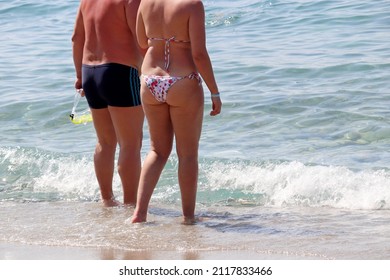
(111, 84)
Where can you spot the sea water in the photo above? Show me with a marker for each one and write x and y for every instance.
(296, 166)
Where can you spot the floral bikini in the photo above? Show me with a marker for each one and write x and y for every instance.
(160, 85)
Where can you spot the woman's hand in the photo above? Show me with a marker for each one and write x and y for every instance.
(217, 104)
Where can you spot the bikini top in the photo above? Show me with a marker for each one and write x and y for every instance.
(167, 48)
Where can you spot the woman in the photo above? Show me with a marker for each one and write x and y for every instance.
(106, 58)
(173, 32)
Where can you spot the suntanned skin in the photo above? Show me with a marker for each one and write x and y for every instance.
(105, 32)
(181, 116)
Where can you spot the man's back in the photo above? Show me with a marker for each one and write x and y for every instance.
(109, 27)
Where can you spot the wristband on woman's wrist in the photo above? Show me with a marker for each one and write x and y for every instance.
(214, 95)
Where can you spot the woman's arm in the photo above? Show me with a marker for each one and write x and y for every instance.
(197, 32)
(141, 32)
(131, 8)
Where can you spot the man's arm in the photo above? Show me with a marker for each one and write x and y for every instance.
(78, 40)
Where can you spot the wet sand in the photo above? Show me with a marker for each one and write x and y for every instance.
(16, 251)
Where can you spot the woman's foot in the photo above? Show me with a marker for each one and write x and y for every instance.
(190, 220)
(138, 218)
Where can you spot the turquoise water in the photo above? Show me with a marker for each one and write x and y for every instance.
(300, 152)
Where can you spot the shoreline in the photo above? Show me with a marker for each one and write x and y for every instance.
(17, 251)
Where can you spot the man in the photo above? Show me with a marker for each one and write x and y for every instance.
(107, 57)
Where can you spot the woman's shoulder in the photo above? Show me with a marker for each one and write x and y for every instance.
(194, 2)
(186, 3)
(192, 5)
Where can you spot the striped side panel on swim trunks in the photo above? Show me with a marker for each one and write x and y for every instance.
(135, 86)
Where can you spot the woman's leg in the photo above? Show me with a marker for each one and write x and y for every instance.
(186, 111)
(161, 139)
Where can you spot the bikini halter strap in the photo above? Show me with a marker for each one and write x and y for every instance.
(167, 49)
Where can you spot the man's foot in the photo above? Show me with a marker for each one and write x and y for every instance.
(111, 202)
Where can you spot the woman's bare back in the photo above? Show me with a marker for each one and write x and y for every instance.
(163, 20)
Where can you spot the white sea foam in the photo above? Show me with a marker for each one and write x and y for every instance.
(293, 183)
(300, 152)
(269, 184)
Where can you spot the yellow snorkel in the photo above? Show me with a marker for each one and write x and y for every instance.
(82, 117)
